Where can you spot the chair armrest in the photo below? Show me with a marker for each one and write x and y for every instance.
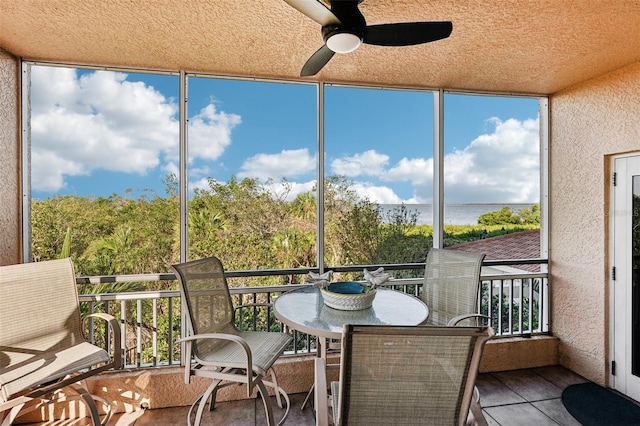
(478, 317)
(115, 331)
(217, 336)
(320, 392)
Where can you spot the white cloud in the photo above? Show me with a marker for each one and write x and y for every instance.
(83, 122)
(49, 173)
(369, 163)
(172, 168)
(198, 172)
(291, 190)
(418, 171)
(287, 163)
(376, 194)
(202, 183)
(502, 166)
(210, 133)
(100, 121)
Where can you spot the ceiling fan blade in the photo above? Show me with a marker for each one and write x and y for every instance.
(317, 61)
(315, 10)
(407, 33)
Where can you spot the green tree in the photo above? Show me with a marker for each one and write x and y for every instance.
(506, 216)
(399, 242)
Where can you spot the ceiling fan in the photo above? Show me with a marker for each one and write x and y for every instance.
(344, 29)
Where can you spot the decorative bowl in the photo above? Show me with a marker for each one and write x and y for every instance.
(347, 296)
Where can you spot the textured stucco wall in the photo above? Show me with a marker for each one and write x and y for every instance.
(9, 160)
(588, 122)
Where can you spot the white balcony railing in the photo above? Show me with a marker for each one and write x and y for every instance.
(151, 322)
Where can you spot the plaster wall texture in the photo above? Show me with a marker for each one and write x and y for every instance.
(588, 123)
(9, 160)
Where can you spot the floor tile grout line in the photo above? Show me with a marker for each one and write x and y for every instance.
(520, 403)
(522, 396)
(545, 414)
(510, 388)
(491, 417)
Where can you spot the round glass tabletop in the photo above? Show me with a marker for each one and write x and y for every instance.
(303, 309)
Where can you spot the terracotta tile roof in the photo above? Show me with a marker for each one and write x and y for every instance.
(519, 245)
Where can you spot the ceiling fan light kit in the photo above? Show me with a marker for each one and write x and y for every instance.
(344, 29)
(343, 42)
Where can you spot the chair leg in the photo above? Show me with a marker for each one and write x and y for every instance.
(91, 405)
(477, 417)
(287, 402)
(81, 393)
(107, 406)
(201, 402)
(11, 416)
(213, 396)
(276, 387)
(281, 396)
(266, 402)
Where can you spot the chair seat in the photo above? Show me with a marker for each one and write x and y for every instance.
(265, 346)
(33, 370)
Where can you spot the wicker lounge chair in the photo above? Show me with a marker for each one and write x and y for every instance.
(216, 348)
(399, 375)
(42, 346)
(451, 284)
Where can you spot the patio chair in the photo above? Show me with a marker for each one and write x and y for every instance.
(403, 375)
(216, 348)
(44, 356)
(451, 285)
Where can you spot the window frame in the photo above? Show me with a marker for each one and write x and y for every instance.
(438, 154)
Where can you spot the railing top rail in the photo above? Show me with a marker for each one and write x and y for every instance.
(293, 271)
(135, 295)
(514, 276)
(125, 278)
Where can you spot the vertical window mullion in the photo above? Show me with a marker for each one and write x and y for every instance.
(184, 199)
(320, 184)
(438, 169)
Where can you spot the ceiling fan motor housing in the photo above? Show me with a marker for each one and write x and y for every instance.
(347, 35)
(342, 39)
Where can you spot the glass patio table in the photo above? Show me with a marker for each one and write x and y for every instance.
(304, 310)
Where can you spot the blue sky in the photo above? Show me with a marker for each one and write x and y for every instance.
(98, 133)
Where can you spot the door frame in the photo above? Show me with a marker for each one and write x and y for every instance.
(619, 310)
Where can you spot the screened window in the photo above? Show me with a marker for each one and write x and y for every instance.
(378, 175)
(105, 167)
(252, 167)
(104, 145)
(491, 171)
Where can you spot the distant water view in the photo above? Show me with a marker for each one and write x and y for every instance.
(454, 214)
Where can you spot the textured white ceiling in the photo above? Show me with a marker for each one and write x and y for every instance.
(505, 46)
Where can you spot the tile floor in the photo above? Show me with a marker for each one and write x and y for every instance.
(511, 398)
(527, 397)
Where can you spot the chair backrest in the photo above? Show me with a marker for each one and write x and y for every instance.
(451, 284)
(206, 297)
(39, 306)
(402, 375)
